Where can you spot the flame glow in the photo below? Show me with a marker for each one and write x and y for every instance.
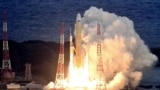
(49, 86)
(78, 77)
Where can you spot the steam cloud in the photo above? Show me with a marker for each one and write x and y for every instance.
(124, 53)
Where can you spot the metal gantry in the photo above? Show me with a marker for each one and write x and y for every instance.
(59, 81)
(101, 85)
(7, 73)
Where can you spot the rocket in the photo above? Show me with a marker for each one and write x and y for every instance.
(78, 29)
(78, 69)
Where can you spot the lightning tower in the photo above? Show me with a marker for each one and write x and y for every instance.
(60, 68)
(100, 71)
(7, 73)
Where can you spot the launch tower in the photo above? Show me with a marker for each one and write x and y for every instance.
(100, 71)
(60, 68)
(7, 73)
(28, 74)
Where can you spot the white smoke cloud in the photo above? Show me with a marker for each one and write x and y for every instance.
(124, 52)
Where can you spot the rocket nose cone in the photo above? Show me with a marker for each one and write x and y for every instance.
(78, 17)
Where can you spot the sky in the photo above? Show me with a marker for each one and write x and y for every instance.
(41, 19)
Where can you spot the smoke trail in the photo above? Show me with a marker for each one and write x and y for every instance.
(124, 52)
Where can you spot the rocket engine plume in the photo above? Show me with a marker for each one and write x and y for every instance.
(124, 53)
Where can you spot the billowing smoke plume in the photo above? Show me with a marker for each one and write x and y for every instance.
(124, 52)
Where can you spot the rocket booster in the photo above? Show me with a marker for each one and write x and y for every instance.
(78, 27)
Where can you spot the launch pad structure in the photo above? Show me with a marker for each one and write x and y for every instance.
(78, 78)
(7, 73)
(59, 81)
(101, 85)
